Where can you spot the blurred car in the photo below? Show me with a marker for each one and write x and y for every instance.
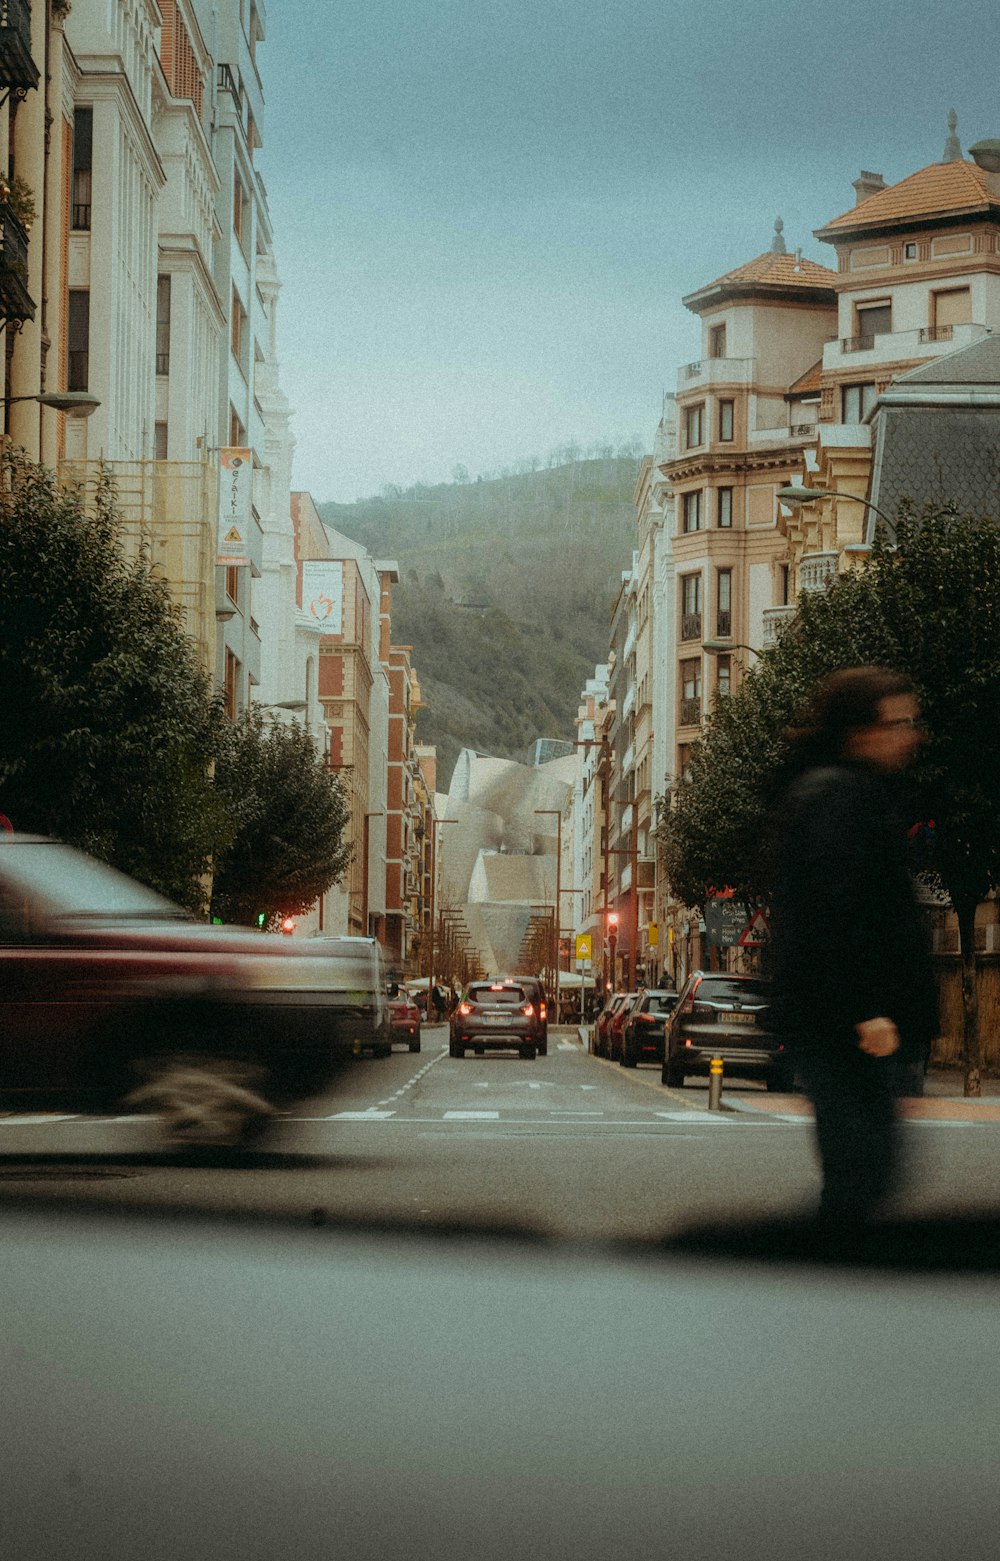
(404, 1019)
(616, 1024)
(603, 1020)
(494, 1016)
(106, 987)
(645, 1022)
(727, 1016)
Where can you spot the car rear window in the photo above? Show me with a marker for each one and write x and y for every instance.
(496, 994)
(714, 989)
(660, 1002)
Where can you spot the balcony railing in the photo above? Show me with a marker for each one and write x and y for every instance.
(693, 369)
(691, 626)
(18, 71)
(857, 343)
(937, 333)
(16, 302)
(723, 625)
(800, 430)
(690, 712)
(817, 570)
(776, 620)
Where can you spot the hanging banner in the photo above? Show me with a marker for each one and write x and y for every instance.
(235, 505)
(323, 593)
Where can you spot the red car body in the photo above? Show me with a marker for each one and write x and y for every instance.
(404, 1021)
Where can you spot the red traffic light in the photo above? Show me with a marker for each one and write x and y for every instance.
(612, 919)
(288, 924)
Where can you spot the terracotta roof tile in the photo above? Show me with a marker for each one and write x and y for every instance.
(806, 383)
(768, 272)
(939, 188)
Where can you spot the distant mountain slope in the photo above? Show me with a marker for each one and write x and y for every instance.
(505, 592)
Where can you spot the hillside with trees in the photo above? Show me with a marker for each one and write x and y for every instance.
(506, 586)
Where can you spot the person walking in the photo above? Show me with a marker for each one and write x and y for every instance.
(854, 991)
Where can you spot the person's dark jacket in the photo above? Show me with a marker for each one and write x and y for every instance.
(850, 941)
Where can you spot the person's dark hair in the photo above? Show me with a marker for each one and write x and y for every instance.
(840, 704)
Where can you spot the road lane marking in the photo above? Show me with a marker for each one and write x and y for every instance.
(371, 1115)
(39, 1117)
(471, 1116)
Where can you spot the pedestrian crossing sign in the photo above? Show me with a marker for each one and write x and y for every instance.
(583, 946)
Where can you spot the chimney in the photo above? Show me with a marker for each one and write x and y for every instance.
(867, 184)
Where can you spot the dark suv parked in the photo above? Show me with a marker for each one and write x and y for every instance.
(727, 1016)
(494, 1015)
(643, 1030)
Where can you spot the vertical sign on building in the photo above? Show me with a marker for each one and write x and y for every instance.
(323, 593)
(235, 505)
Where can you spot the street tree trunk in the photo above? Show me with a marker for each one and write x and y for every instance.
(971, 1047)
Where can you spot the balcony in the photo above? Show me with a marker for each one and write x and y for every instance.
(937, 333)
(857, 343)
(775, 621)
(817, 570)
(858, 353)
(723, 625)
(18, 71)
(690, 712)
(715, 371)
(16, 303)
(691, 626)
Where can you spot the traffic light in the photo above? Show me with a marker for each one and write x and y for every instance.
(261, 919)
(288, 924)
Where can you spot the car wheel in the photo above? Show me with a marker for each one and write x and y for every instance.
(542, 1048)
(454, 1050)
(528, 1053)
(628, 1061)
(415, 1045)
(673, 1078)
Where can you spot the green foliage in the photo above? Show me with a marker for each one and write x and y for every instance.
(505, 591)
(109, 725)
(288, 815)
(929, 606)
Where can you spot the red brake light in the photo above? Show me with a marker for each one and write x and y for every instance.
(688, 1002)
(542, 1010)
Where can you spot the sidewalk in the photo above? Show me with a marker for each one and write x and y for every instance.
(942, 1101)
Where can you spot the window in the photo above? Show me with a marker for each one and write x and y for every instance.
(159, 441)
(950, 308)
(717, 341)
(163, 325)
(684, 761)
(785, 575)
(692, 510)
(79, 339)
(693, 420)
(83, 155)
(690, 607)
(691, 678)
(233, 584)
(240, 334)
(874, 320)
(237, 433)
(724, 508)
(241, 213)
(231, 685)
(724, 681)
(726, 413)
(724, 602)
(909, 251)
(856, 401)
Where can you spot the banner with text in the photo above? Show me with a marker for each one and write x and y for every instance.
(323, 593)
(235, 505)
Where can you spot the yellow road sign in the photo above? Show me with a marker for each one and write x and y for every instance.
(583, 945)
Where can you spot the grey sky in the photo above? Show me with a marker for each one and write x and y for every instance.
(486, 214)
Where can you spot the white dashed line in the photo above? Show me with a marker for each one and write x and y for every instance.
(471, 1116)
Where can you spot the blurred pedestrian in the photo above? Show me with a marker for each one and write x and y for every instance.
(854, 991)
(439, 1001)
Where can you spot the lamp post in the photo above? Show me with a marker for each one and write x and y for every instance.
(723, 647)
(557, 814)
(74, 403)
(436, 824)
(793, 494)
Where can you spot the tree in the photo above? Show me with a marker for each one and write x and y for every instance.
(928, 604)
(109, 725)
(288, 814)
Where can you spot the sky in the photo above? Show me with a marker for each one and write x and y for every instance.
(486, 212)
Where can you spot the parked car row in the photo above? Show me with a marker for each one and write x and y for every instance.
(715, 1014)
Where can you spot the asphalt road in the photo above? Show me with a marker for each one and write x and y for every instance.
(567, 1145)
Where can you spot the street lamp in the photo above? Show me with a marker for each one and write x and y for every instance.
(794, 494)
(557, 814)
(723, 647)
(281, 704)
(75, 403)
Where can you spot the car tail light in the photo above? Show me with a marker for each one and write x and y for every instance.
(465, 1009)
(542, 1011)
(528, 1011)
(688, 1003)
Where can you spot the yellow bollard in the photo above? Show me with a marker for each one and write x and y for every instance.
(715, 1084)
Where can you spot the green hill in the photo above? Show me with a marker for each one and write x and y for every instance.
(505, 591)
